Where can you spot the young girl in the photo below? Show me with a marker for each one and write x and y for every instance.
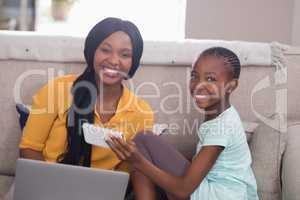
(221, 169)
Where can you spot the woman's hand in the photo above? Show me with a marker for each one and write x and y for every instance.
(31, 154)
(126, 151)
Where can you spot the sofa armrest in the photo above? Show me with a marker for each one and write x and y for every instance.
(291, 164)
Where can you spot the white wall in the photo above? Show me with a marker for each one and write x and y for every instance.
(296, 24)
(251, 20)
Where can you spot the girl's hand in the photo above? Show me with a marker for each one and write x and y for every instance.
(126, 151)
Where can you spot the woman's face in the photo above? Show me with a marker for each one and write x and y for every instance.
(113, 58)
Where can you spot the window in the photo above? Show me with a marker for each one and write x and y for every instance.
(156, 19)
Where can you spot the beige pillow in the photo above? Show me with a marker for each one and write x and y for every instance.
(266, 148)
(291, 163)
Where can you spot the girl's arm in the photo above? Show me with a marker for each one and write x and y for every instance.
(179, 186)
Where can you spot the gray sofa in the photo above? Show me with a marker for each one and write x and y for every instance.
(26, 62)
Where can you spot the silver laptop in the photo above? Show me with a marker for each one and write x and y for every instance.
(36, 180)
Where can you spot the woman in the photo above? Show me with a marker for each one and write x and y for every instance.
(112, 51)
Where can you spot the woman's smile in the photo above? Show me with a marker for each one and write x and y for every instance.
(112, 73)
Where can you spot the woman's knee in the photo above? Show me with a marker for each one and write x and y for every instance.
(141, 137)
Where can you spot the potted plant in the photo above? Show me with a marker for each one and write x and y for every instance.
(60, 9)
(6, 23)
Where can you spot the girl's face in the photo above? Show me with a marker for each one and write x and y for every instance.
(211, 80)
(113, 58)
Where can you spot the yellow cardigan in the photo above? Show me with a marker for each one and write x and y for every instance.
(46, 131)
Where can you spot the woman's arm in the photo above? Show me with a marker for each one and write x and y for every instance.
(44, 112)
(31, 154)
(179, 186)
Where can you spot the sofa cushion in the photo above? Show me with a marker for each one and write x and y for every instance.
(9, 140)
(291, 164)
(5, 183)
(9, 149)
(266, 149)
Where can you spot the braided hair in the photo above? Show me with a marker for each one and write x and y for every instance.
(229, 57)
(85, 88)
